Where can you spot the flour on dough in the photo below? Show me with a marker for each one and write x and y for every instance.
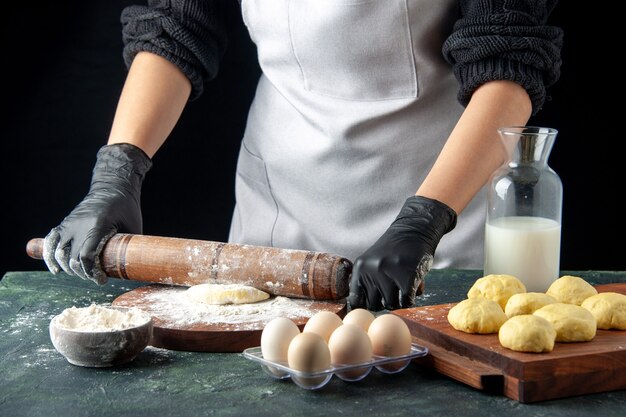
(225, 294)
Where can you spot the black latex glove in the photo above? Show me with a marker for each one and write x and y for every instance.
(111, 205)
(390, 272)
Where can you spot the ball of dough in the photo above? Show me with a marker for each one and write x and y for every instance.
(571, 290)
(609, 309)
(496, 287)
(225, 294)
(572, 323)
(477, 315)
(527, 333)
(526, 303)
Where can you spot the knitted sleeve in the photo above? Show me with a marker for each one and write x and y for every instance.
(189, 33)
(505, 40)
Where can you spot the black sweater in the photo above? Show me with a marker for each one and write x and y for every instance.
(491, 40)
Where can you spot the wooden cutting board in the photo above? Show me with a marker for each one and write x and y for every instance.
(179, 325)
(481, 362)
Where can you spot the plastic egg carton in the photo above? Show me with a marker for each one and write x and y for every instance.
(350, 373)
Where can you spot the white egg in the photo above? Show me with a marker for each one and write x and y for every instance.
(275, 339)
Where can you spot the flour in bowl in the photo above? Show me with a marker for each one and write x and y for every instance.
(97, 318)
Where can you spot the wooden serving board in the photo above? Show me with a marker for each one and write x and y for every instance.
(178, 325)
(481, 362)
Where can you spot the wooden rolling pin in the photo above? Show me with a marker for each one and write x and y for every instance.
(176, 261)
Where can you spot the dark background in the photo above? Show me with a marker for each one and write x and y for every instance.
(65, 73)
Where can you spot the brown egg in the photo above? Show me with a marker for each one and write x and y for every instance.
(390, 336)
(360, 316)
(308, 352)
(323, 323)
(349, 345)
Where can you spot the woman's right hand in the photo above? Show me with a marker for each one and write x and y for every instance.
(112, 205)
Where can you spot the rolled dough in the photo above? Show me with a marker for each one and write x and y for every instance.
(225, 294)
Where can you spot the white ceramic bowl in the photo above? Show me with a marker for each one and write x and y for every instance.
(101, 348)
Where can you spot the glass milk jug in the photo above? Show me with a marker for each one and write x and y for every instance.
(523, 226)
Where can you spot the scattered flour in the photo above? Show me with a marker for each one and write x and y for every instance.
(28, 321)
(96, 318)
(40, 358)
(172, 306)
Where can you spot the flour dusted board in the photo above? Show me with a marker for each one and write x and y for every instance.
(481, 362)
(183, 325)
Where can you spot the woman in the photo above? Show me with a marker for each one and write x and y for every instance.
(366, 111)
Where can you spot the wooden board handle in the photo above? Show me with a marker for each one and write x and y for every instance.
(176, 261)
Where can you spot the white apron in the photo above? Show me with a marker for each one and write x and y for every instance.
(353, 107)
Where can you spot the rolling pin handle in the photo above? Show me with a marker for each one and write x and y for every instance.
(34, 248)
